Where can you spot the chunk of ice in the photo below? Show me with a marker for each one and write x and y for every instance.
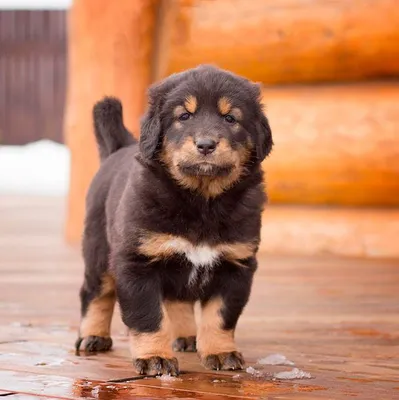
(168, 378)
(275, 359)
(254, 372)
(293, 374)
(95, 392)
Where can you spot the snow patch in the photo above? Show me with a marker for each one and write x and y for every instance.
(293, 374)
(35, 4)
(38, 168)
(275, 359)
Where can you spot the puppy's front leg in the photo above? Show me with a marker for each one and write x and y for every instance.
(220, 313)
(143, 312)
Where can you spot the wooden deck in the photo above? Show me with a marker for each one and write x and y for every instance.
(337, 319)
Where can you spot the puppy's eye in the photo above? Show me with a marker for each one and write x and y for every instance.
(230, 119)
(185, 116)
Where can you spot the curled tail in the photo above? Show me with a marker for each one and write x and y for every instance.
(109, 129)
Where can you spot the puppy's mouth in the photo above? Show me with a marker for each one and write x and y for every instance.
(205, 169)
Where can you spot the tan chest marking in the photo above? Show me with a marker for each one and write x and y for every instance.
(159, 245)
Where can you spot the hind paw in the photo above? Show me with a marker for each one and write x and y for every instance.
(188, 344)
(93, 344)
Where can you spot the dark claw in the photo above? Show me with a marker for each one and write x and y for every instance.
(77, 345)
(188, 344)
(212, 362)
(93, 344)
(225, 361)
(156, 366)
(233, 361)
(140, 366)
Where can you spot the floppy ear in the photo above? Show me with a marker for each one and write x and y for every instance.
(151, 130)
(151, 124)
(150, 134)
(264, 140)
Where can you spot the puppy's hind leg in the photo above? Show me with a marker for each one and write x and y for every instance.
(97, 294)
(184, 329)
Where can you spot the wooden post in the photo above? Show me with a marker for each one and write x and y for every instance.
(110, 50)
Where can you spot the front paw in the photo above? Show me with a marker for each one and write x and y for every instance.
(224, 361)
(156, 366)
(188, 344)
(93, 344)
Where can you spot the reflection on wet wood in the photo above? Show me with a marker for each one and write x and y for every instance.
(336, 319)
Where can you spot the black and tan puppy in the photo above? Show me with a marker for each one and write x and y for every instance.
(175, 219)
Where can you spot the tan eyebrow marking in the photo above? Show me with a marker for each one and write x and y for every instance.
(236, 113)
(224, 105)
(191, 104)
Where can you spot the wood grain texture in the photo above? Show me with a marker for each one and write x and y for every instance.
(282, 41)
(315, 231)
(335, 318)
(334, 145)
(32, 75)
(110, 50)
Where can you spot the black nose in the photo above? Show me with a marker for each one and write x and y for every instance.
(206, 146)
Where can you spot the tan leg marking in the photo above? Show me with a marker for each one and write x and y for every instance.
(211, 338)
(154, 344)
(98, 318)
(182, 319)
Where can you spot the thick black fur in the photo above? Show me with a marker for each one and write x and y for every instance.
(133, 191)
(111, 134)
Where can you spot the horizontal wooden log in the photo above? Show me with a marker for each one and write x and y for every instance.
(334, 144)
(341, 231)
(282, 41)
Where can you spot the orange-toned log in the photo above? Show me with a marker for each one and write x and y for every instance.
(344, 231)
(282, 41)
(334, 144)
(110, 48)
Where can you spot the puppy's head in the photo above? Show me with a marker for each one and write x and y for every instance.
(207, 127)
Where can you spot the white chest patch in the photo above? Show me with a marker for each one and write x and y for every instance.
(203, 258)
(200, 256)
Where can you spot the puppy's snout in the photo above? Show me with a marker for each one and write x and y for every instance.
(206, 145)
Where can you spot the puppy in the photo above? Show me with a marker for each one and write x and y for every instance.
(175, 219)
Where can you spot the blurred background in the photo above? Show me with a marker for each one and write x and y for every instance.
(326, 293)
(329, 71)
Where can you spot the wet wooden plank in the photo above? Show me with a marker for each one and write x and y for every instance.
(334, 318)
